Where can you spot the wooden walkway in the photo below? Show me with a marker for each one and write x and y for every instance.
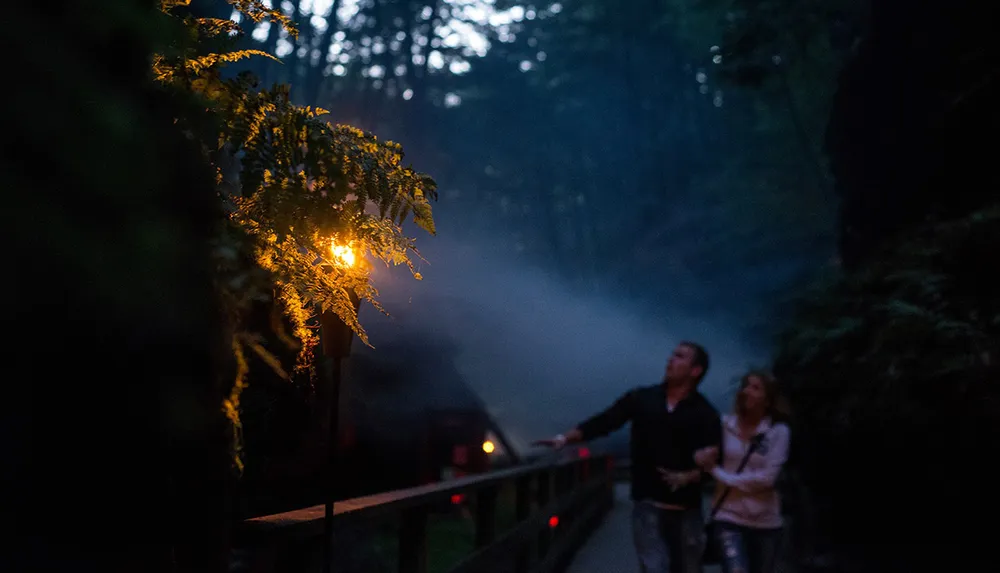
(610, 549)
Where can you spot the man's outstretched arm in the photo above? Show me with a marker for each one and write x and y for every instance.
(569, 437)
(596, 426)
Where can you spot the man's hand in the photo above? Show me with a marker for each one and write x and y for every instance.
(676, 479)
(570, 437)
(555, 443)
(707, 458)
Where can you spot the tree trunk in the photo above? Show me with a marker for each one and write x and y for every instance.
(316, 76)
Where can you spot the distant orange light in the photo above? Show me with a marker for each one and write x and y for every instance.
(489, 447)
(457, 499)
(554, 521)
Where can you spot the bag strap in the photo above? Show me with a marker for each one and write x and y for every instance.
(754, 442)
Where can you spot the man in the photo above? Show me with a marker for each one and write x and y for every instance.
(670, 422)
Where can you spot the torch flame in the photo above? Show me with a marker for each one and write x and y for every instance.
(342, 254)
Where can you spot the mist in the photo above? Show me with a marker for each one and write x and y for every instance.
(540, 355)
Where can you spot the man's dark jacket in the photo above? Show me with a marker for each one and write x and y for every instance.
(660, 439)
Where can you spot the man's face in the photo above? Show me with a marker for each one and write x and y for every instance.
(681, 365)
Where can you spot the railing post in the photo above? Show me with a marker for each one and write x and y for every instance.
(611, 471)
(522, 508)
(486, 524)
(563, 487)
(413, 541)
(577, 481)
(544, 495)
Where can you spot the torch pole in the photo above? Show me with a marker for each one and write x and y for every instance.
(336, 337)
(332, 461)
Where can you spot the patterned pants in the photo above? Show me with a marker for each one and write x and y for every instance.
(668, 540)
(747, 549)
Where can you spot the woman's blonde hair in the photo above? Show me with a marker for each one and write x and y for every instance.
(777, 406)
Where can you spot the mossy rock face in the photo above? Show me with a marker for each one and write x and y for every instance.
(893, 375)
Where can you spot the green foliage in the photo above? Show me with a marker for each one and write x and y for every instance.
(921, 313)
(895, 367)
(294, 186)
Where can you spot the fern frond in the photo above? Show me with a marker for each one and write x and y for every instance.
(201, 63)
(168, 5)
(231, 405)
(218, 27)
(258, 12)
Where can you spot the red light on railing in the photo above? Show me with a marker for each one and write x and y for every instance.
(554, 521)
(584, 452)
(457, 499)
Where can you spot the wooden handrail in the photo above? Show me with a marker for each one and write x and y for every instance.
(578, 491)
(379, 504)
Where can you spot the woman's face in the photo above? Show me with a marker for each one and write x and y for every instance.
(753, 395)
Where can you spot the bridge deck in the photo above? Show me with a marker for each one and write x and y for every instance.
(610, 549)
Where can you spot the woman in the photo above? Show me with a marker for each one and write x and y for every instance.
(748, 523)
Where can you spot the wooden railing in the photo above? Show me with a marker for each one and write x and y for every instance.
(556, 507)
